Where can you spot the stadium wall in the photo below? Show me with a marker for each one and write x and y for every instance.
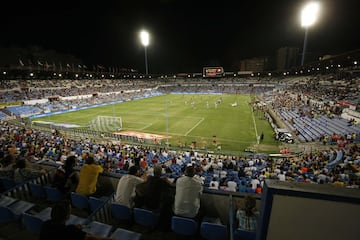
(300, 211)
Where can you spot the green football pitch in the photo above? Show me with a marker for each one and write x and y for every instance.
(210, 121)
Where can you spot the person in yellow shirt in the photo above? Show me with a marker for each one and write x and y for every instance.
(88, 178)
(338, 183)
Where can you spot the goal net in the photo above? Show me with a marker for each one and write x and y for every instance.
(106, 124)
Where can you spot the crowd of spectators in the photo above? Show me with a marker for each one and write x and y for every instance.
(165, 181)
(313, 96)
(22, 90)
(213, 171)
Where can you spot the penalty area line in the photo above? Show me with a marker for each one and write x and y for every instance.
(197, 124)
(150, 124)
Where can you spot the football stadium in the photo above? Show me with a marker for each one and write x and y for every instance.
(180, 147)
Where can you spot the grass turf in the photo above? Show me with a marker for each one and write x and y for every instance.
(187, 118)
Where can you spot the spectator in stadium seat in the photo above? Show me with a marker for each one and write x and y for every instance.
(7, 166)
(254, 182)
(231, 185)
(241, 172)
(66, 178)
(258, 189)
(126, 165)
(242, 187)
(23, 173)
(56, 229)
(214, 184)
(125, 191)
(88, 178)
(281, 176)
(248, 215)
(156, 194)
(187, 196)
(143, 164)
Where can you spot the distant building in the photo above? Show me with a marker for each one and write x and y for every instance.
(258, 64)
(286, 58)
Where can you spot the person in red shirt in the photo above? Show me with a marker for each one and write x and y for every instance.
(258, 189)
(143, 164)
(304, 169)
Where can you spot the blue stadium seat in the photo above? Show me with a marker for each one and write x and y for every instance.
(121, 212)
(8, 183)
(240, 234)
(121, 234)
(6, 215)
(146, 218)
(98, 229)
(6, 201)
(94, 203)
(213, 231)
(45, 214)
(75, 220)
(37, 191)
(14, 211)
(53, 194)
(184, 226)
(79, 201)
(32, 223)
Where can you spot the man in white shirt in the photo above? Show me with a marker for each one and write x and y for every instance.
(214, 184)
(281, 176)
(254, 183)
(187, 196)
(125, 191)
(231, 185)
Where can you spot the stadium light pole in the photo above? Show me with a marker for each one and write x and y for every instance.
(309, 15)
(144, 36)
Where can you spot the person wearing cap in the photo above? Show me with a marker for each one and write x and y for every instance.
(125, 191)
(187, 194)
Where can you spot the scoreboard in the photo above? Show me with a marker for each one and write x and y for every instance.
(213, 72)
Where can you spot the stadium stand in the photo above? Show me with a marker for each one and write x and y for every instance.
(334, 164)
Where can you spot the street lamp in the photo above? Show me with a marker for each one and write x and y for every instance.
(144, 36)
(309, 15)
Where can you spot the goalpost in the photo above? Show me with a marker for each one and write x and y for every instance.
(106, 124)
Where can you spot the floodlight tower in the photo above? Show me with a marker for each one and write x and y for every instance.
(144, 36)
(309, 15)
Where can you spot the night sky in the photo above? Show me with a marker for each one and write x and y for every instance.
(184, 35)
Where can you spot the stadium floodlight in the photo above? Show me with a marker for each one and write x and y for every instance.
(145, 39)
(309, 15)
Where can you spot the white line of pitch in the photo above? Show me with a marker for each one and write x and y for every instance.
(252, 114)
(146, 126)
(202, 119)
